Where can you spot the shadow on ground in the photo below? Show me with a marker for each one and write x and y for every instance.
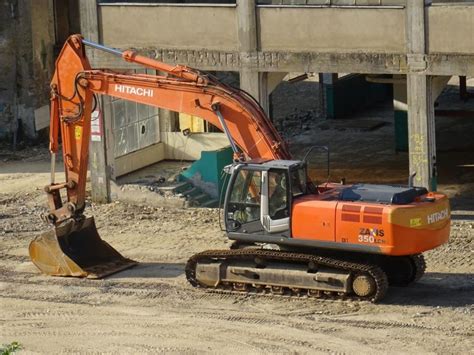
(151, 270)
(436, 289)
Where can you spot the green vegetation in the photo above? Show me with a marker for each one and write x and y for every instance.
(9, 349)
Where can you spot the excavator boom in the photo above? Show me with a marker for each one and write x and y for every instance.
(67, 249)
(182, 90)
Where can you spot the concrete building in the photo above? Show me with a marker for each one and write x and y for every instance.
(416, 45)
(421, 42)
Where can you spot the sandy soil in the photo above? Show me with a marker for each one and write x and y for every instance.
(151, 308)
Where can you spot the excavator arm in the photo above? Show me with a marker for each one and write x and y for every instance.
(183, 90)
(180, 89)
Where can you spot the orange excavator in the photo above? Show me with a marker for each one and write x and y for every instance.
(291, 236)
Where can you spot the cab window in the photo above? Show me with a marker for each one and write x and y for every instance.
(277, 194)
(298, 182)
(244, 205)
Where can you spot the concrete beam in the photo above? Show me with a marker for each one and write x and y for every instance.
(377, 63)
(449, 64)
(374, 63)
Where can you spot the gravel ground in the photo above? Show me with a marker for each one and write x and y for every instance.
(151, 308)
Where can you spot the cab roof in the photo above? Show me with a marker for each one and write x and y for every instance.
(273, 164)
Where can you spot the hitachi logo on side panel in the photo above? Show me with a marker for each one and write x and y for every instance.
(125, 89)
(438, 216)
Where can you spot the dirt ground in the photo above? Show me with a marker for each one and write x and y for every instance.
(151, 308)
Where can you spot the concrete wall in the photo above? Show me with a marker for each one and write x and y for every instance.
(179, 147)
(26, 64)
(333, 2)
(451, 29)
(332, 29)
(42, 42)
(292, 29)
(188, 27)
(7, 68)
(366, 36)
(139, 159)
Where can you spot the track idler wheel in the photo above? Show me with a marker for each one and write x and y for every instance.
(363, 285)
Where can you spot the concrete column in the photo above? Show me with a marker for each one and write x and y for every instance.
(327, 81)
(421, 130)
(463, 95)
(400, 109)
(421, 118)
(99, 164)
(257, 84)
(247, 22)
(251, 80)
(400, 106)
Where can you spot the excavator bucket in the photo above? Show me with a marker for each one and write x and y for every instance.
(76, 249)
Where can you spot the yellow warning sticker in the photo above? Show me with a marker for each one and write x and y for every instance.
(415, 222)
(78, 132)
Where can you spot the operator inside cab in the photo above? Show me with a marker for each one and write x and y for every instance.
(278, 195)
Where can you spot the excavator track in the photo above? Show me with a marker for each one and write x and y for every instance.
(404, 270)
(420, 266)
(261, 271)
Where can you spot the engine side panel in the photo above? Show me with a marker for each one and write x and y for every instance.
(314, 219)
(372, 227)
(419, 226)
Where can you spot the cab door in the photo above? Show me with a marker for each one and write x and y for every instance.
(275, 201)
(243, 202)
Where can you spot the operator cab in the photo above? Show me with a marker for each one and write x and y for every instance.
(259, 196)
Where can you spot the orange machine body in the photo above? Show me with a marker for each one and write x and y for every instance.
(371, 227)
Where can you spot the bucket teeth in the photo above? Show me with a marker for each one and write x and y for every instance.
(75, 249)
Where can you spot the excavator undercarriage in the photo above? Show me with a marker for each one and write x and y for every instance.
(285, 273)
(257, 270)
